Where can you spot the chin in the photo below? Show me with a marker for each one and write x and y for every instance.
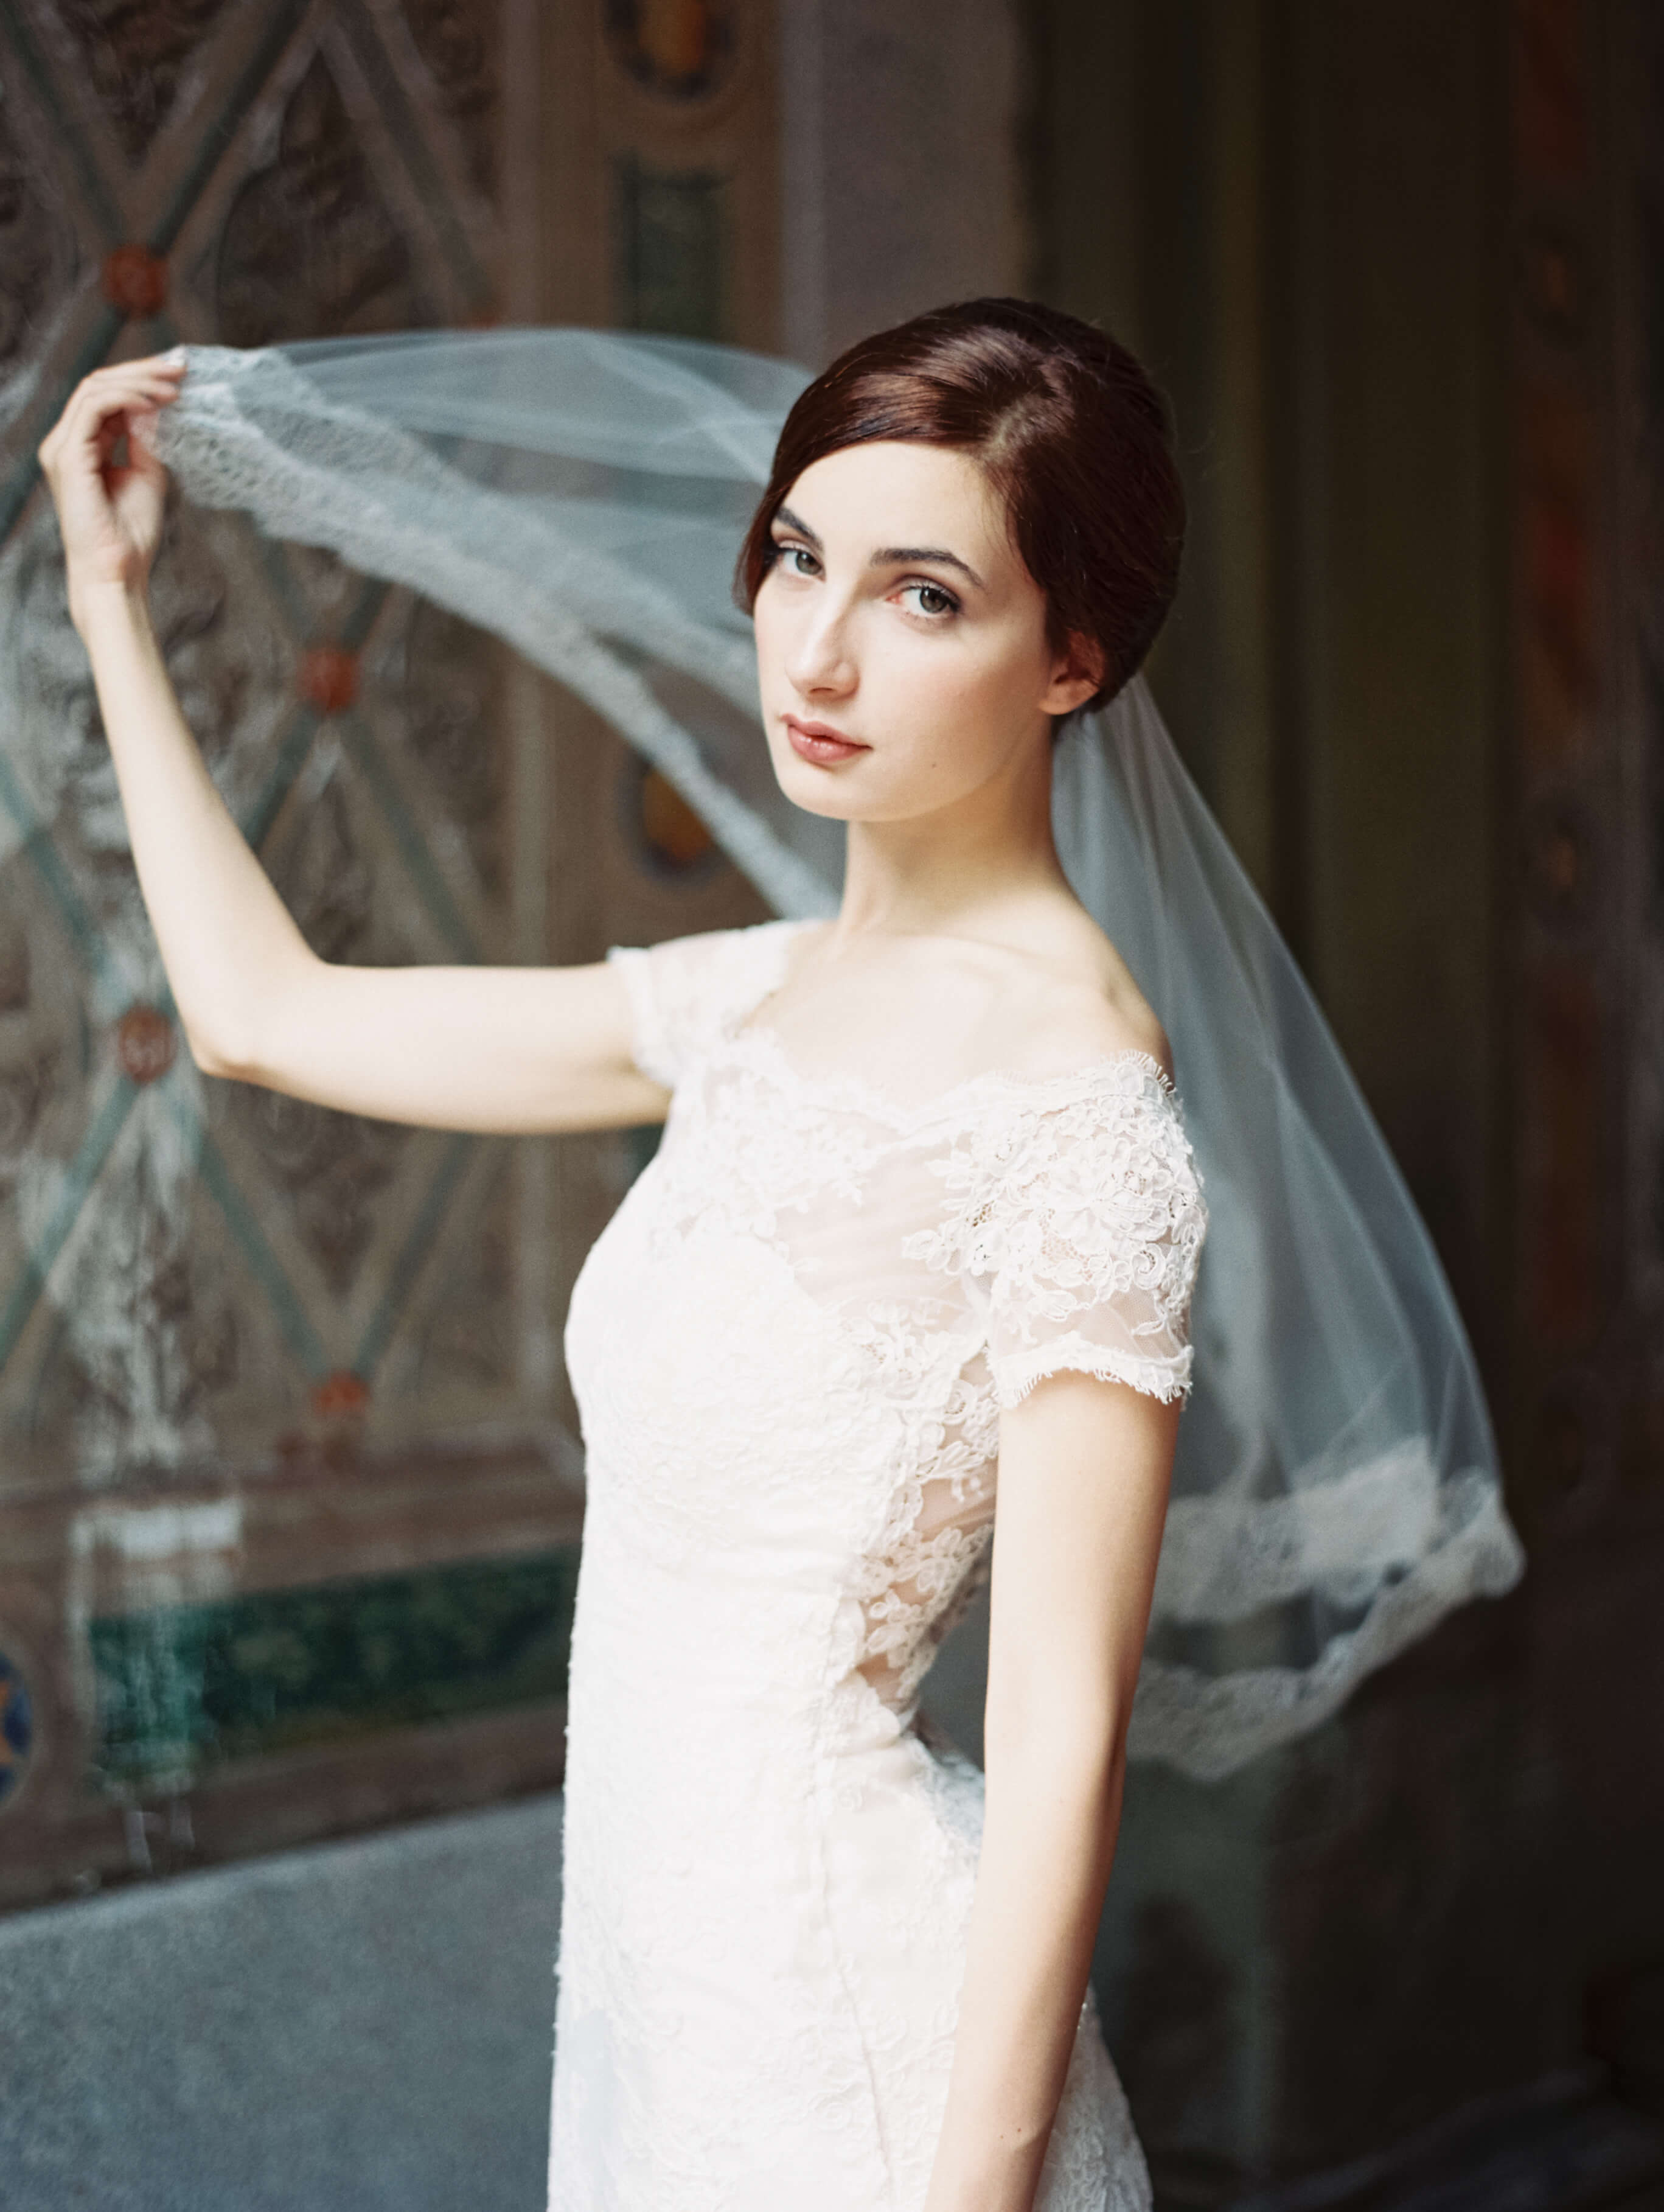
(814, 789)
(814, 797)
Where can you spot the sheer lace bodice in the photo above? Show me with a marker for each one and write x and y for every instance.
(790, 1348)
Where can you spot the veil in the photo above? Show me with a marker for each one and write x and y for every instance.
(582, 495)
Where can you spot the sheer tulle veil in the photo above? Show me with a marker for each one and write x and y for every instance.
(582, 495)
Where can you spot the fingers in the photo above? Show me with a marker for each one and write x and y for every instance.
(125, 383)
(143, 458)
(171, 364)
(152, 383)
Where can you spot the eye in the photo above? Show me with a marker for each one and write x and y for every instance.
(933, 600)
(795, 560)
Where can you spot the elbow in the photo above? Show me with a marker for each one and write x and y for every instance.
(243, 1030)
(208, 1056)
(209, 1062)
(221, 1048)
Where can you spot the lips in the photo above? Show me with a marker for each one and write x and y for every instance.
(820, 742)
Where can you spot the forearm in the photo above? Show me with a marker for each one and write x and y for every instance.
(227, 942)
(1047, 1840)
(497, 1049)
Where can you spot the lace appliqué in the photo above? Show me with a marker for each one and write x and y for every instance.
(1083, 1223)
(685, 995)
(929, 1559)
(736, 1168)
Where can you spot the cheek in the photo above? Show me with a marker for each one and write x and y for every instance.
(968, 688)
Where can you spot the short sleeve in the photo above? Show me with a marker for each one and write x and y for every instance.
(1086, 1225)
(687, 993)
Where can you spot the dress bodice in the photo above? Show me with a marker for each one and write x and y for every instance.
(815, 1301)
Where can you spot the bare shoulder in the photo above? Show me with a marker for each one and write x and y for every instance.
(1072, 999)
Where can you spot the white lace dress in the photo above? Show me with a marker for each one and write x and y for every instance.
(790, 1348)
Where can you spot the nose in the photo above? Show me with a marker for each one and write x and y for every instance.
(819, 662)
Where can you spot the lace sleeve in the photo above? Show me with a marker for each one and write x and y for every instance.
(1078, 1233)
(685, 993)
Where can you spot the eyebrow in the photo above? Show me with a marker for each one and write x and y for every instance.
(887, 556)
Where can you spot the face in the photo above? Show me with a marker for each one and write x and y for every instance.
(902, 649)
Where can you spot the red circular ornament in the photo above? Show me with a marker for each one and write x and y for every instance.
(340, 1393)
(145, 1043)
(329, 677)
(136, 280)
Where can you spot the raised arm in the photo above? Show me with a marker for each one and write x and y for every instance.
(512, 1049)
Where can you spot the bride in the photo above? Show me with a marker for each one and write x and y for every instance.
(914, 1261)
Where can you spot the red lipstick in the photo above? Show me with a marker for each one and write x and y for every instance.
(820, 742)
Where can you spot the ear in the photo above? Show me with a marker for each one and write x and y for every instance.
(1077, 674)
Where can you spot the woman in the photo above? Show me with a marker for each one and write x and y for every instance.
(925, 1214)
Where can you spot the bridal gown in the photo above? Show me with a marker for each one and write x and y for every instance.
(790, 1348)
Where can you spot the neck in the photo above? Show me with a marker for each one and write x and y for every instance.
(960, 870)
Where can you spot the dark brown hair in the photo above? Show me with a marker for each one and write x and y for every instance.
(1070, 431)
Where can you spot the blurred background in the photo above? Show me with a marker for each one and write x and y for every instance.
(290, 1489)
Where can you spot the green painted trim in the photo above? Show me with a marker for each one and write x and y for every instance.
(92, 178)
(14, 495)
(406, 135)
(297, 612)
(218, 139)
(360, 622)
(81, 1174)
(185, 1688)
(262, 1262)
(430, 885)
(671, 230)
(413, 1255)
(293, 747)
(49, 865)
(295, 741)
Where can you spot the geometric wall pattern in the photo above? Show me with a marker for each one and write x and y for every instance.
(186, 1267)
(251, 1351)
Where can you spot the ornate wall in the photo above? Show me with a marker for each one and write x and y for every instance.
(288, 1486)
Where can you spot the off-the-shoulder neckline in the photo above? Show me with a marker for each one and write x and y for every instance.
(856, 1095)
(743, 1035)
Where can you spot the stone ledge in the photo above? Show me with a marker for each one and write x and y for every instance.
(358, 2027)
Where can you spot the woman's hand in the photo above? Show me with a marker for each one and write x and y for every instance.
(110, 511)
(519, 1049)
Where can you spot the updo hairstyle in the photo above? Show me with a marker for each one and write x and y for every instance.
(1070, 431)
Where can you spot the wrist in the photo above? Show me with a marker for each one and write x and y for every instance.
(98, 602)
(992, 2174)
